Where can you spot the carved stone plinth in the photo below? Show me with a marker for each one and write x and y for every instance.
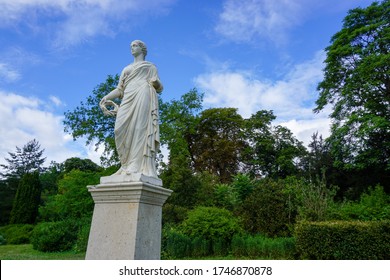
(126, 223)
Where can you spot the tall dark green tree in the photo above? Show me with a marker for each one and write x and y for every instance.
(357, 84)
(25, 160)
(27, 199)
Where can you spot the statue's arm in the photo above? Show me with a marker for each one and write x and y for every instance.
(116, 93)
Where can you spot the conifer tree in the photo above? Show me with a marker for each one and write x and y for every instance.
(27, 199)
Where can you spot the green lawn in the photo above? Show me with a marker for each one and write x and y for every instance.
(26, 252)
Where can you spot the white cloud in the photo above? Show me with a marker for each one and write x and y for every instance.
(242, 20)
(75, 21)
(24, 119)
(55, 100)
(8, 74)
(291, 98)
(249, 20)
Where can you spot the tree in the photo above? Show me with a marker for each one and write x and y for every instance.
(87, 120)
(73, 201)
(27, 199)
(271, 151)
(178, 119)
(80, 164)
(357, 84)
(25, 160)
(216, 143)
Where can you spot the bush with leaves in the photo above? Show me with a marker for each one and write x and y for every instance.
(54, 236)
(266, 210)
(210, 223)
(17, 233)
(373, 205)
(313, 199)
(67, 214)
(73, 201)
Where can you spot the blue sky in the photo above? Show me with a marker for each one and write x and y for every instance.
(247, 54)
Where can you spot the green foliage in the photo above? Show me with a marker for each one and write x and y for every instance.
(178, 245)
(243, 186)
(178, 118)
(83, 235)
(356, 83)
(173, 214)
(343, 240)
(216, 143)
(3, 241)
(16, 233)
(180, 178)
(175, 245)
(54, 236)
(270, 150)
(210, 223)
(373, 205)
(266, 210)
(88, 121)
(225, 196)
(49, 179)
(7, 194)
(80, 164)
(260, 246)
(73, 200)
(314, 199)
(27, 199)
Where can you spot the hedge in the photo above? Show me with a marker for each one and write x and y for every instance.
(343, 240)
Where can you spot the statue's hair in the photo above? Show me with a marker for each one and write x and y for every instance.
(142, 45)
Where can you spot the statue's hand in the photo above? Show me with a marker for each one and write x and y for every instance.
(102, 102)
(103, 106)
(156, 84)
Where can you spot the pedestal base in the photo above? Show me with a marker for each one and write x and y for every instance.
(126, 223)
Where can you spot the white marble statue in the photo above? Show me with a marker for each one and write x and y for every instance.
(136, 126)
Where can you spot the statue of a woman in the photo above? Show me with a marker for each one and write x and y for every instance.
(136, 126)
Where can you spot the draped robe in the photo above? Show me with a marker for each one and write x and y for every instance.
(136, 126)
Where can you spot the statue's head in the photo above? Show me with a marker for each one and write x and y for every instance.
(142, 45)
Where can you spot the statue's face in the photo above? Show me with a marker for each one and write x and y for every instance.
(135, 49)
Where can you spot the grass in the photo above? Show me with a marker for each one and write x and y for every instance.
(26, 252)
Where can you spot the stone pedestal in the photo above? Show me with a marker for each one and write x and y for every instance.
(126, 223)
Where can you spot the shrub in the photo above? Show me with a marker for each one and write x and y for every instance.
(83, 235)
(173, 214)
(346, 240)
(373, 205)
(17, 233)
(2, 240)
(200, 247)
(266, 210)
(175, 244)
(210, 223)
(54, 236)
(73, 200)
(315, 199)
